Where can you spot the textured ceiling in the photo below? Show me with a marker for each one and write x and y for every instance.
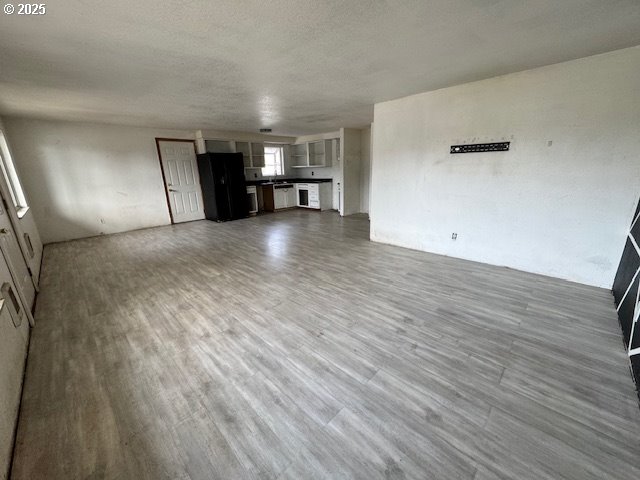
(296, 66)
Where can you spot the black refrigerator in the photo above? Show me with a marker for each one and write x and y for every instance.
(224, 190)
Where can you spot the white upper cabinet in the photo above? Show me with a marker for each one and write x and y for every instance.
(219, 146)
(257, 155)
(318, 153)
(252, 153)
(245, 150)
(298, 155)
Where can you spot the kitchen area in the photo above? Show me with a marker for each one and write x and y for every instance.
(317, 172)
(275, 195)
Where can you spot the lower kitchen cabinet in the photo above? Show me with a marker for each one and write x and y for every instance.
(278, 197)
(252, 199)
(317, 196)
(313, 195)
(284, 197)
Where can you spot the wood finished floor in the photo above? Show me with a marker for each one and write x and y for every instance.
(289, 346)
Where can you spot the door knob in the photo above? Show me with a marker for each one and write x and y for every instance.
(4, 231)
(172, 190)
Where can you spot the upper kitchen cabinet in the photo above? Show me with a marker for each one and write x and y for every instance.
(250, 145)
(252, 153)
(219, 146)
(318, 153)
(257, 155)
(298, 155)
(245, 150)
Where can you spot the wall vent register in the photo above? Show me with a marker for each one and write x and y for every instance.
(481, 147)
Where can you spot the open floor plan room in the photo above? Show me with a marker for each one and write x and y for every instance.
(320, 240)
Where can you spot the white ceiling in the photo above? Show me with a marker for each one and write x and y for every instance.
(299, 67)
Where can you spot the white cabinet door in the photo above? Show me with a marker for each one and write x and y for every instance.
(243, 148)
(284, 197)
(298, 155)
(252, 198)
(302, 195)
(257, 155)
(291, 197)
(279, 198)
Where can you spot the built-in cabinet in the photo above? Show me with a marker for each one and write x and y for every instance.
(257, 155)
(245, 149)
(284, 196)
(317, 196)
(298, 155)
(278, 197)
(252, 152)
(319, 153)
(220, 146)
(252, 199)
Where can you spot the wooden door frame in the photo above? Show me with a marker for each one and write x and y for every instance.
(164, 178)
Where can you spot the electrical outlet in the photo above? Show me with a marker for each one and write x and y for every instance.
(312, 173)
(255, 175)
(454, 236)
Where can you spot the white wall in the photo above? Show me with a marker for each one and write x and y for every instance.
(365, 169)
(559, 203)
(351, 170)
(87, 179)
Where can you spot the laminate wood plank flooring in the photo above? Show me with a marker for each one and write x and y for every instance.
(288, 346)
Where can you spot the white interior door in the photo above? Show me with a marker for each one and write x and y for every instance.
(15, 261)
(178, 158)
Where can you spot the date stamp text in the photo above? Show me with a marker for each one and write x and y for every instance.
(25, 8)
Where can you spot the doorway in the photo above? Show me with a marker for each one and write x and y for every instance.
(181, 180)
